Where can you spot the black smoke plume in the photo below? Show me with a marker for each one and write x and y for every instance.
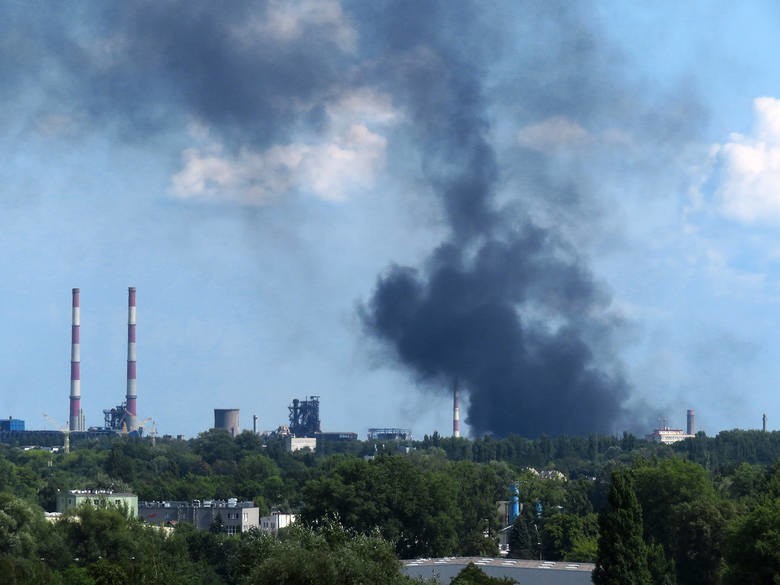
(506, 304)
(504, 307)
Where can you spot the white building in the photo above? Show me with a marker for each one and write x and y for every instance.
(668, 436)
(298, 443)
(97, 498)
(276, 521)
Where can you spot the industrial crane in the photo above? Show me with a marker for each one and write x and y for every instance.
(64, 429)
(138, 426)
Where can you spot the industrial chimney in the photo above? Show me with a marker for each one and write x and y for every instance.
(690, 429)
(76, 419)
(131, 372)
(455, 410)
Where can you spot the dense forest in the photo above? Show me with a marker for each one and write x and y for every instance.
(703, 511)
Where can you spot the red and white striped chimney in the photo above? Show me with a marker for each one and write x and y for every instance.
(75, 366)
(131, 387)
(455, 410)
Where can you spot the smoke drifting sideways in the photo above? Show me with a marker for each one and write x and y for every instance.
(503, 306)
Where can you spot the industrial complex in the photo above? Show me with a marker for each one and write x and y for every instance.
(303, 430)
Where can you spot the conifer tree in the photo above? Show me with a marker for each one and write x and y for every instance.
(622, 554)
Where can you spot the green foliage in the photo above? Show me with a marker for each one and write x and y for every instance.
(326, 554)
(753, 546)
(662, 571)
(707, 503)
(684, 515)
(411, 506)
(521, 544)
(622, 555)
(471, 574)
(570, 537)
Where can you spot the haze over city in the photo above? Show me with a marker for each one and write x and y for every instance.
(571, 209)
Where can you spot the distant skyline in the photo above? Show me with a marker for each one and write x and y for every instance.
(573, 209)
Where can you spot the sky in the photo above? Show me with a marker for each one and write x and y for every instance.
(570, 210)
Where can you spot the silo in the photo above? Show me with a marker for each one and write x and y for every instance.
(226, 419)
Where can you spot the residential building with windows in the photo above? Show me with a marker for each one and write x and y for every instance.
(97, 498)
(231, 516)
(273, 523)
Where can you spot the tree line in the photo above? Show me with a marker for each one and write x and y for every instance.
(708, 505)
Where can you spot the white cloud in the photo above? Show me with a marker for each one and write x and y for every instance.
(749, 190)
(329, 170)
(287, 22)
(365, 104)
(344, 160)
(552, 134)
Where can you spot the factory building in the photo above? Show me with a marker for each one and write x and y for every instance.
(97, 498)
(389, 434)
(293, 444)
(234, 516)
(11, 424)
(667, 435)
(305, 417)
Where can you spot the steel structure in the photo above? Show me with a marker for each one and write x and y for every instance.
(305, 417)
(389, 434)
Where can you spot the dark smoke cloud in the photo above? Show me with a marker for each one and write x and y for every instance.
(503, 307)
(505, 304)
(146, 66)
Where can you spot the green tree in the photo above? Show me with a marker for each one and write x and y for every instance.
(571, 537)
(622, 555)
(682, 513)
(661, 568)
(521, 546)
(323, 555)
(471, 574)
(753, 546)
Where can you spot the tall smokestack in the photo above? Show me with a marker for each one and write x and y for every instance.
(763, 419)
(690, 429)
(76, 419)
(131, 385)
(455, 410)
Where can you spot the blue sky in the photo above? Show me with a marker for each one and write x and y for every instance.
(255, 168)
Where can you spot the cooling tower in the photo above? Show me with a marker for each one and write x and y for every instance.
(226, 419)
